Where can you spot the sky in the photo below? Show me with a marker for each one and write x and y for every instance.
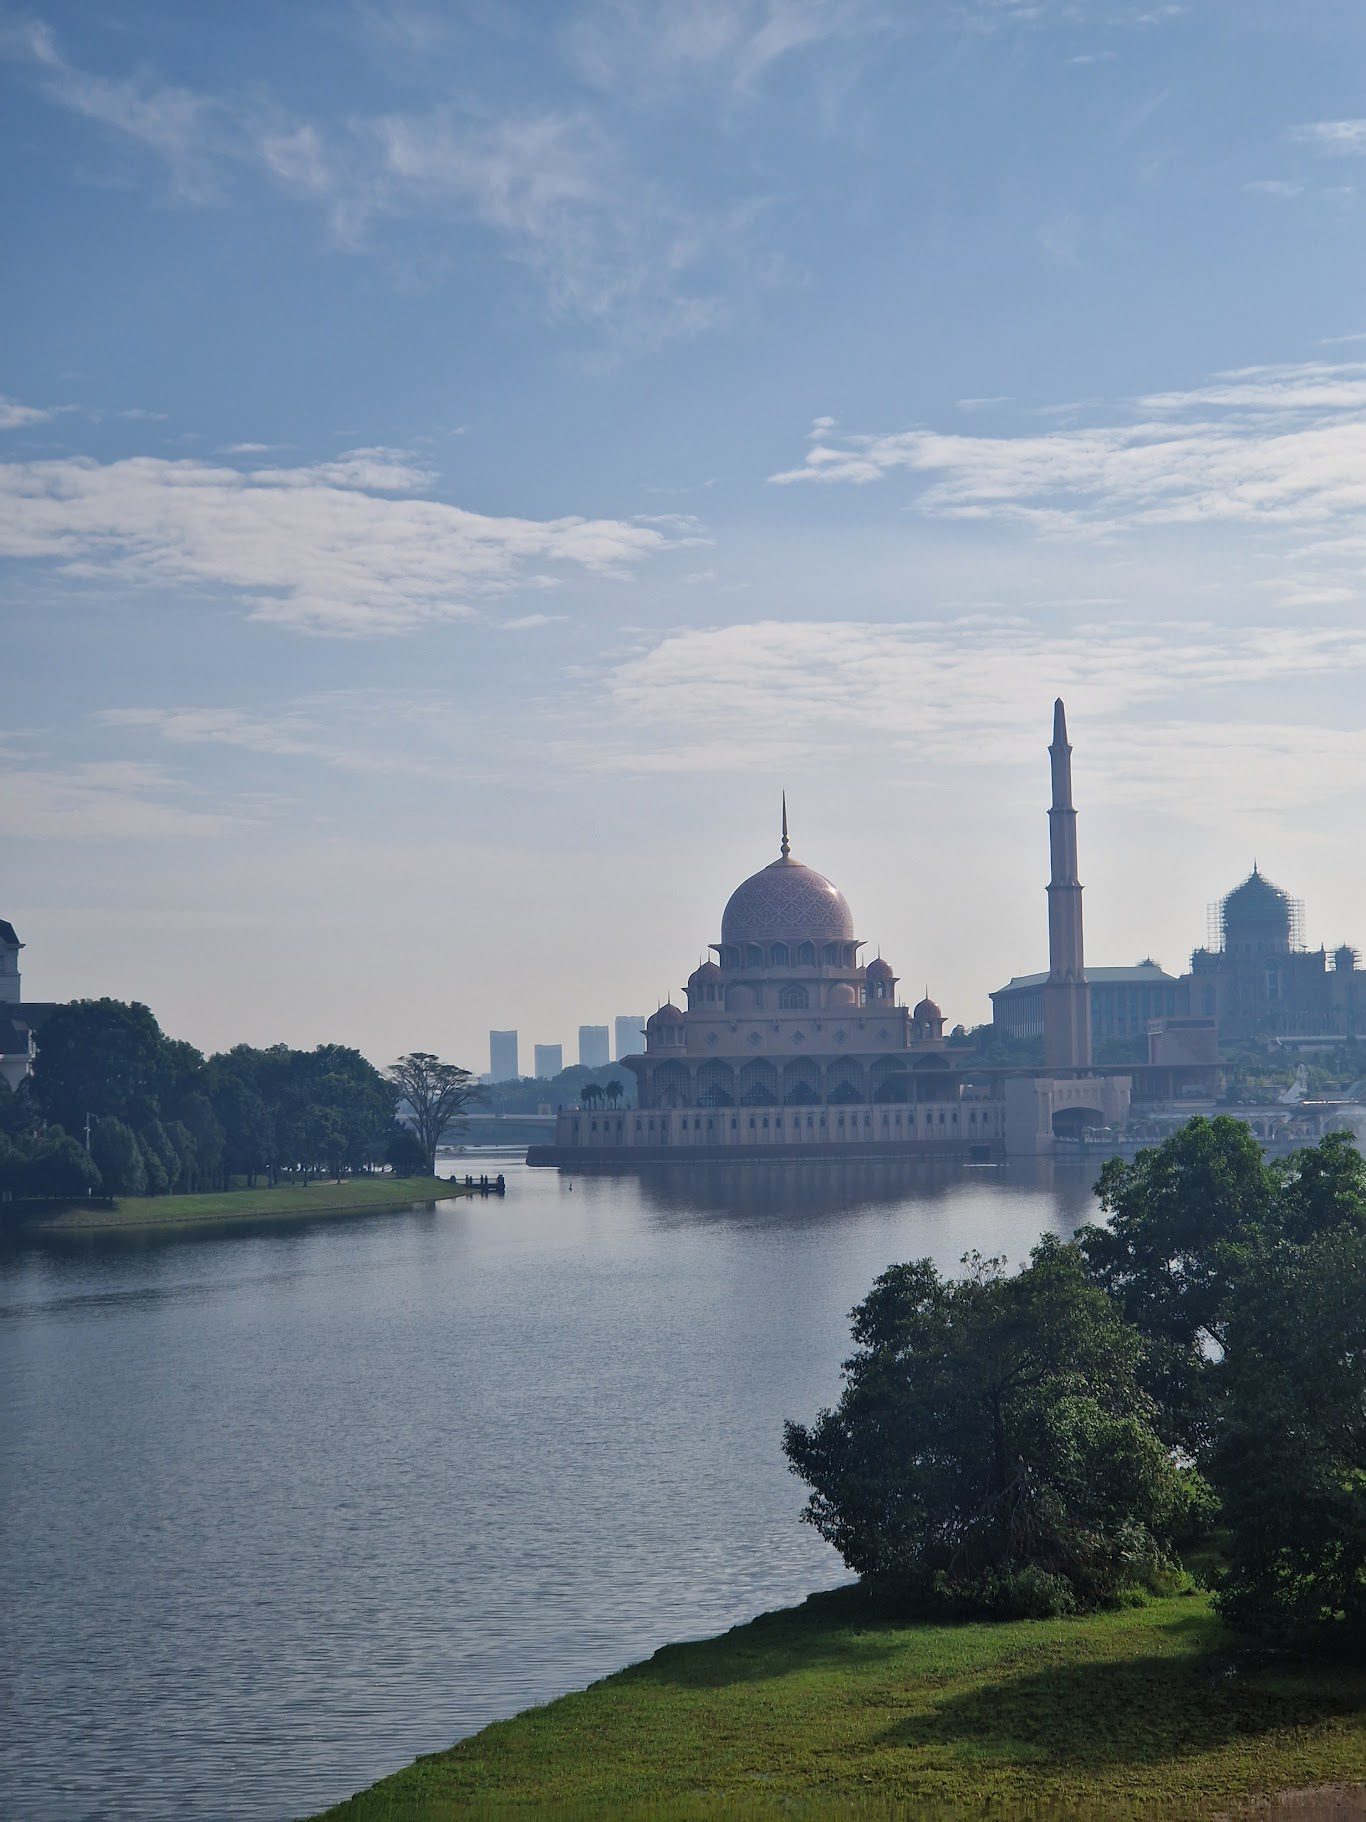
(461, 462)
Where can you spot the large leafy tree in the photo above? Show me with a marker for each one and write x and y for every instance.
(1290, 1454)
(435, 1094)
(992, 1448)
(105, 1057)
(1187, 1220)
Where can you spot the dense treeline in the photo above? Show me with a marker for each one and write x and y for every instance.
(114, 1104)
(1192, 1371)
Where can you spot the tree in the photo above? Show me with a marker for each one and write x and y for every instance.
(103, 1057)
(614, 1092)
(206, 1135)
(118, 1157)
(1290, 1459)
(1182, 1217)
(992, 1449)
(590, 1095)
(404, 1154)
(158, 1182)
(58, 1166)
(1188, 1219)
(435, 1093)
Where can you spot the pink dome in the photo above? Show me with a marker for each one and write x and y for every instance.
(787, 901)
(668, 1014)
(878, 970)
(927, 1013)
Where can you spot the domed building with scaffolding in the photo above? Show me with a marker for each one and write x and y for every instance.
(788, 1040)
(1256, 978)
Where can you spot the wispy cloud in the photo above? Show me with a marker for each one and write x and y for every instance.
(329, 548)
(108, 800)
(773, 693)
(557, 189)
(1336, 138)
(14, 416)
(1279, 446)
(637, 43)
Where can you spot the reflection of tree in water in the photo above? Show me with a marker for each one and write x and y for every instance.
(805, 1190)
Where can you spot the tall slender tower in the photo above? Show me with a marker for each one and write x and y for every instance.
(1066, 997)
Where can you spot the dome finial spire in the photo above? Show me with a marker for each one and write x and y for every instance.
(786, 848)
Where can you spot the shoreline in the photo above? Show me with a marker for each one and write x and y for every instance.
(235, 1207)
(829, 1709)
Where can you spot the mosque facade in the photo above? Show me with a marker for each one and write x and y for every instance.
(788, 1040)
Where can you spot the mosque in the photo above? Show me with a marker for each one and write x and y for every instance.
(790, 1044)
(790, 1041)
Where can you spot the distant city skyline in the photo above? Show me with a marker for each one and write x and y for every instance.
(416, 470)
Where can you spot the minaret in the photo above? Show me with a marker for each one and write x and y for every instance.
(1066, 998)
(786, 849)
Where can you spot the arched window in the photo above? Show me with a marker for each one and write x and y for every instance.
(806, 955)
(793, 999)
(830, 955)
(779, 956)
(754, 956)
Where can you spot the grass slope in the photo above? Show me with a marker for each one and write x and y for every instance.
(824, 1710)
(357, 1195)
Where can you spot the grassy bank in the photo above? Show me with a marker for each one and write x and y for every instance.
(357, 1195)
(824, 1711)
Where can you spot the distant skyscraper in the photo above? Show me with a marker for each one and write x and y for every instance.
(549, 1060)
(503, 1056)
(593, 1051)
(630, 1034)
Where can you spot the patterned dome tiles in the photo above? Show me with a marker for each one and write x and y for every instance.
(787, 900)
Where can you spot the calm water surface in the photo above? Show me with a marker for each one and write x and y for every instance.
(280, 1509)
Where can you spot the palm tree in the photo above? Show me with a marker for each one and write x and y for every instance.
(614, 1092)
(590, 1094)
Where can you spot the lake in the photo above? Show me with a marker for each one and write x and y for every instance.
(282, 1507)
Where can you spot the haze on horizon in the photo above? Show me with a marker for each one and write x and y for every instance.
(459, 468)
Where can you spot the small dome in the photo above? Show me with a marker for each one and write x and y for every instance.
(927, 1013)
(707, 972)
(787, 900)
(668, 1014)
(879, 970)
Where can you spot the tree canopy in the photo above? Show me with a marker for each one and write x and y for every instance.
(992, 1449)
(162, 1118)
(434, 1094)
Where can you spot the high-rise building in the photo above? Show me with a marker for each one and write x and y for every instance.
(630, 1031)
(549, 1060)
(593, 1050)
(503, 1056)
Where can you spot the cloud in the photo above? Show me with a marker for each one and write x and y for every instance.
(1275, 446)
(562, 197)
(1335, 138)
(14, 416)
(527, 622)
(191, 133)
(111, 800)
(1281, 187)
(326, 548)
(634, 44)
(972, 692)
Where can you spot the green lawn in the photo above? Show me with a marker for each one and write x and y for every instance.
(825, 1711)
(354, 1196)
